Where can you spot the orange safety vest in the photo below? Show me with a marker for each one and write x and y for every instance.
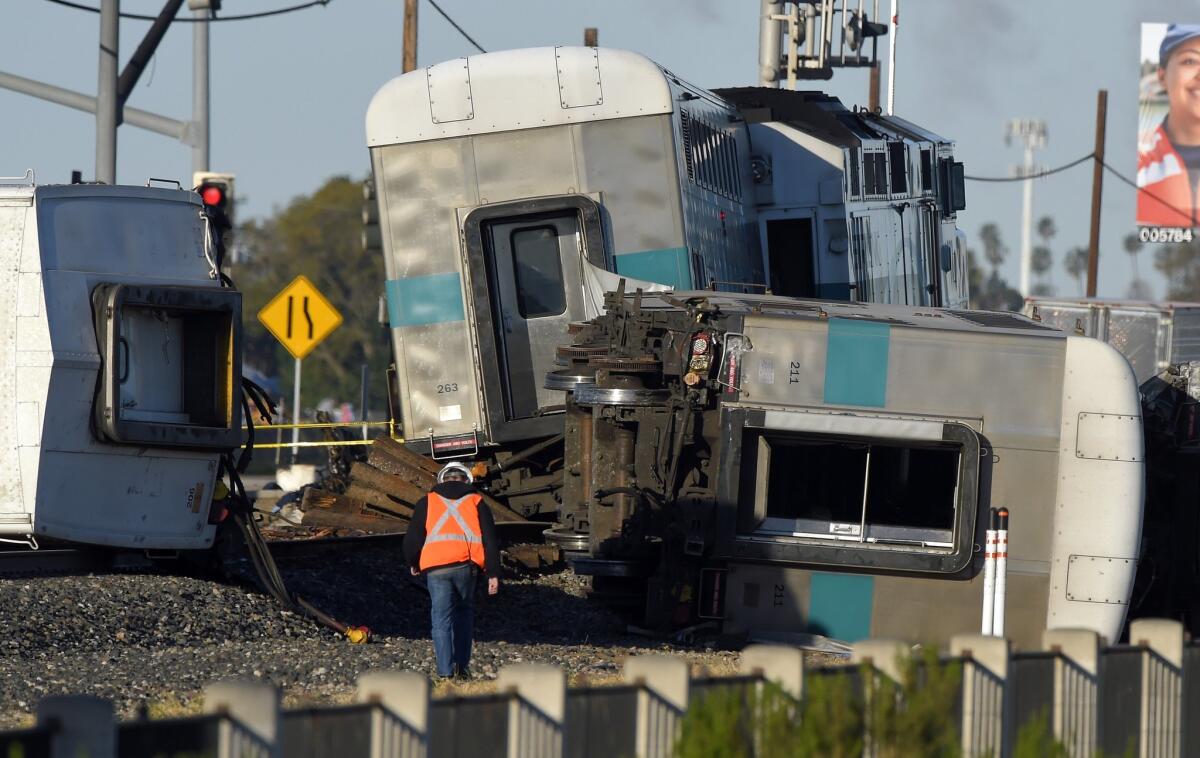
(452, 533)
(1169, 198)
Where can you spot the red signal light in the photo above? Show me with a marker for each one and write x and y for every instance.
(212, 195)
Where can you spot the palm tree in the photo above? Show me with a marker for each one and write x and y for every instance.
(1139, 290)
(1042, 262)
(1076, 264)
(1133, 245)
(993, 247)
(1046, 229)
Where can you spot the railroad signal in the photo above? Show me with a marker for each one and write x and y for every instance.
(216, 190)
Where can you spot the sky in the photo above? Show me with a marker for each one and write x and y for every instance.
(289, 93)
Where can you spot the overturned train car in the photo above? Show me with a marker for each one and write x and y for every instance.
(826, 468)
(515, 186)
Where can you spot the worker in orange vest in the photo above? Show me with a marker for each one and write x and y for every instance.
(451, 538)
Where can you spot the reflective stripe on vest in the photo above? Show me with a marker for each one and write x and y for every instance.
(435, 534)
(452, 535)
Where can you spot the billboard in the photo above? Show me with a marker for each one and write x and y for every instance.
(1168, 175)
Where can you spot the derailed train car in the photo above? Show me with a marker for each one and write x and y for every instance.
(120, 366)
(827, 468)
(510, 184)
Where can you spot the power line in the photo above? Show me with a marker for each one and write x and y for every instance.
(1038, 175)
(1185, 214)
(461, 31)
(192, 20)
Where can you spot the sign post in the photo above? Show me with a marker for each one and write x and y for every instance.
(300, 318)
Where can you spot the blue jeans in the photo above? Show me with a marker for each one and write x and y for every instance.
(452, 593)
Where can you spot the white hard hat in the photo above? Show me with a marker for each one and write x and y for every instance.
(455, 466)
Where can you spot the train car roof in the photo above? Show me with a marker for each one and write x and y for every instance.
(519, 89)
(821, 115)
(899, 315)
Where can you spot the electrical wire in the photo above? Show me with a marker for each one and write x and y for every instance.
(1191, 219)
(1038, 175)
(193, 20)
(453, 23)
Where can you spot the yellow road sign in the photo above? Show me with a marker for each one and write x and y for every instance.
(300, 317)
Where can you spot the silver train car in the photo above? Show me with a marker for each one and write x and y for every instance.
(791, 468)
(120, 367)
(513, 186)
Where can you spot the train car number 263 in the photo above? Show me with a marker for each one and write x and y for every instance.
(447, 388)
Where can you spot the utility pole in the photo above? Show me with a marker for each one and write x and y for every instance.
(1097, 190)
(200, 117)
(106, 93)
(410, 36)
(590, 35)
(873, 87)
(892, 57)
(1032, 133)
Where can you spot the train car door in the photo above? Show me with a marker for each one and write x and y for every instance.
(536, 288)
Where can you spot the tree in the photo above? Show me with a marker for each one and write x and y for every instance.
(1076, 264)
(994, 250)
(1139, 289)
(1133, 245)
(319, 236)
(990, 293)
(1043, 256)
(1180, 264)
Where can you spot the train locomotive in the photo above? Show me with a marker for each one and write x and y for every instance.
(516, 187)
(822, 469)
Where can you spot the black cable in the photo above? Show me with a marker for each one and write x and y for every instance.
(1189, 216)
(1038, 175)
(193, 20)
(460, 30)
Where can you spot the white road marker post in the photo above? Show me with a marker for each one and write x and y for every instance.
(989, 574)
(1001, 571)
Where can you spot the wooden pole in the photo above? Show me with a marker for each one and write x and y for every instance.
(590, 35)
(1097, 188)
(873, 88)
(410, 35)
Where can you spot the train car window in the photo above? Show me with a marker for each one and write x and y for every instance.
(822, 488)
(926, 170)
(852, 161)
(897, 157)
(537, 268)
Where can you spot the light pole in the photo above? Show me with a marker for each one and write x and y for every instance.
(1032, 133)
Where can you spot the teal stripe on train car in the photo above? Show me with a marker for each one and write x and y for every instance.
(421, 300)
(856, 362)
(668, 266)
(839, 605)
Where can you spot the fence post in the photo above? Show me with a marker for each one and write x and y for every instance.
(886, 656)
(83, 725)
(405, 695)
(1163, 697)
(985, 693)
(661, 704)
(254, 705)
(545, 688)
(1075, 691)
(777, 663)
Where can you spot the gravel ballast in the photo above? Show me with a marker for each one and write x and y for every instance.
(153, 640)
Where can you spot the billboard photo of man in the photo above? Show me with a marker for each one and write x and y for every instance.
(1168, 175)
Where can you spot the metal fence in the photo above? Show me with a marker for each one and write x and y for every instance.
(1141, 699)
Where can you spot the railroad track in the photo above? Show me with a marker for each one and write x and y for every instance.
(79, 559)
